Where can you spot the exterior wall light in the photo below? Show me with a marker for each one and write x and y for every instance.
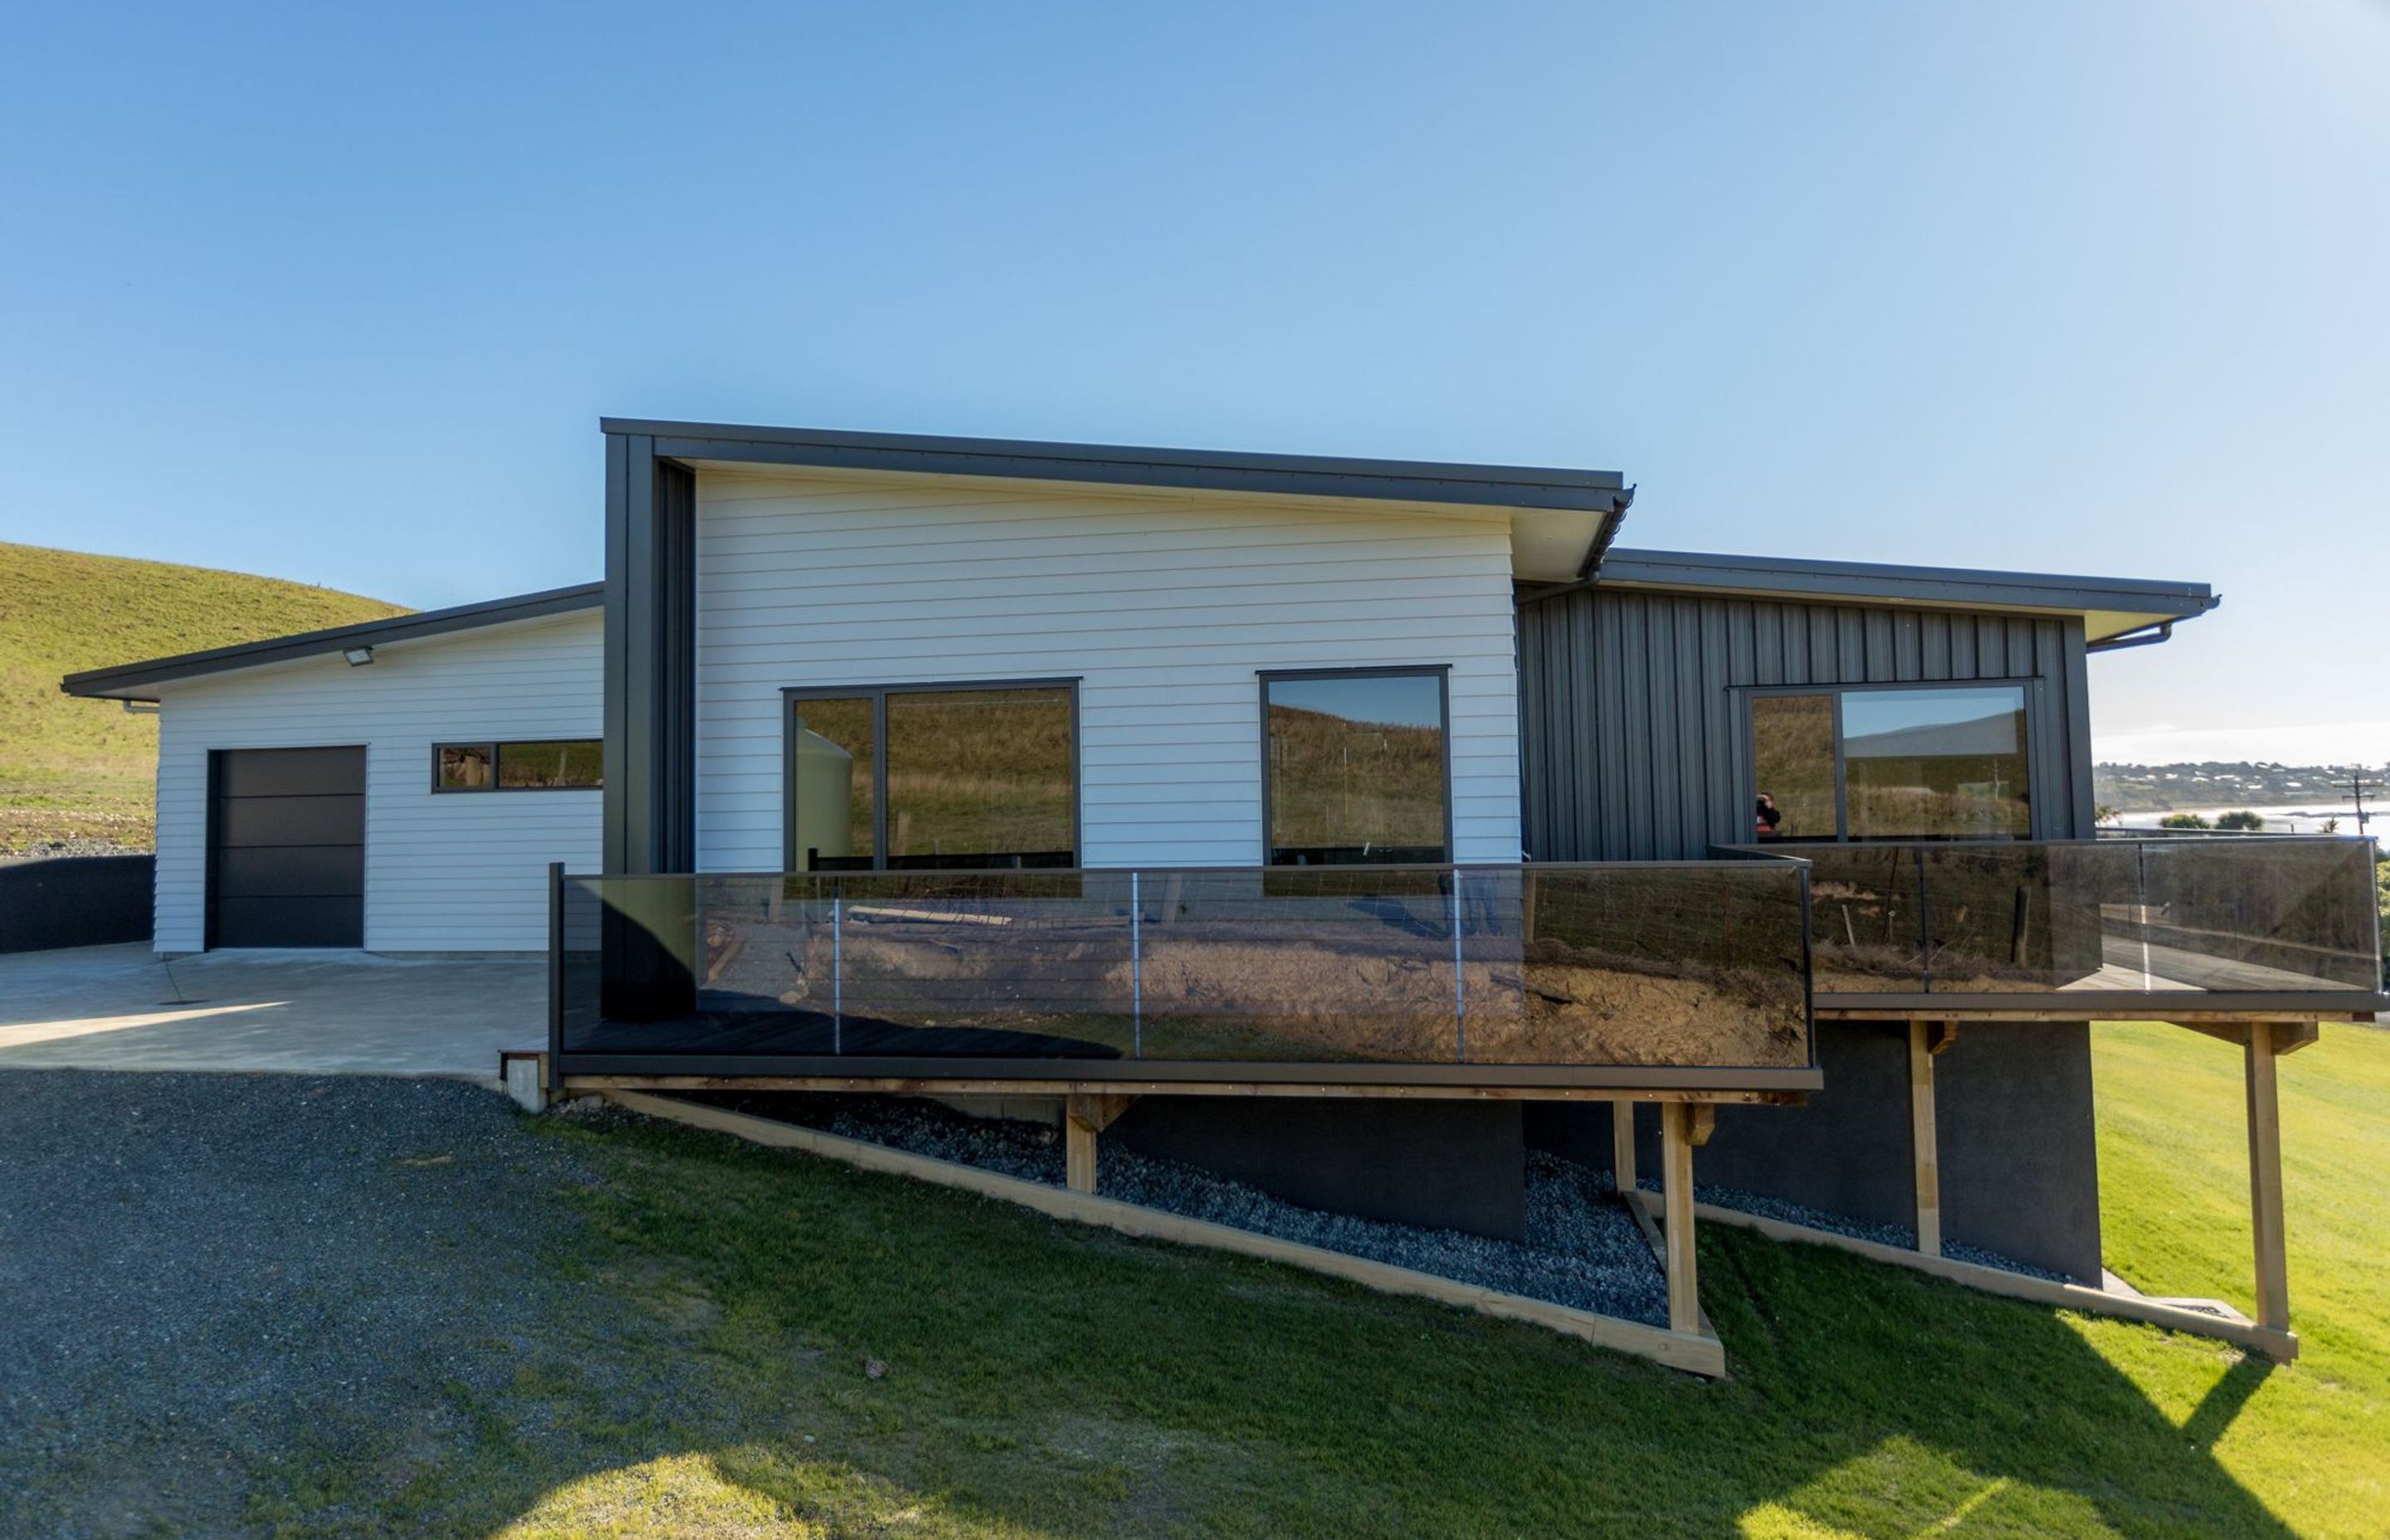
(358, 656)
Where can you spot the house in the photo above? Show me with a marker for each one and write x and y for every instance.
(1370, 822)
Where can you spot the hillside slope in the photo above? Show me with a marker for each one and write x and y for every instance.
(78, 773)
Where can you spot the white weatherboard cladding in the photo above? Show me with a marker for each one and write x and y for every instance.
(1166, 609)
(456, 872)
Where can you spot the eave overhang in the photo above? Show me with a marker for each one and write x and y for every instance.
(140, 681)
(1561, 521)
(2108, 607)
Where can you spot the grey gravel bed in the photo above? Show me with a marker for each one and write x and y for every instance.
(1581, 1248)
(205, 1277)
(1901, 1235)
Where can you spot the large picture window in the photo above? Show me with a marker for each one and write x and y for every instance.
(1356, 766)
(952, 776)
(1923, 763)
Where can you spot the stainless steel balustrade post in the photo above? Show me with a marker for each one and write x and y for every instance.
(1459, 981)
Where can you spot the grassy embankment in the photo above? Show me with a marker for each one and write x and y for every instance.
(1042, 1379)
(80, 771)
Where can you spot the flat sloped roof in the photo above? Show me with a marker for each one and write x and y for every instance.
(134, 681)
(1125, 465)
(2109, 607)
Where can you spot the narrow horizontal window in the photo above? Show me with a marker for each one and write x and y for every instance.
(529, 765)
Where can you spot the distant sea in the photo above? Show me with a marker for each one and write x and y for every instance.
(2286, 817)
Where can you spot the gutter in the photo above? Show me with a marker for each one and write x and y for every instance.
(2147, 635)
(1589, 575)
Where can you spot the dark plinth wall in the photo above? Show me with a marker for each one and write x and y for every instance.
(74, 900)
(2013, 1112)
(1456, 1165)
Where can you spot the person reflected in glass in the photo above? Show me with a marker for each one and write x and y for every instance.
(1770, 817)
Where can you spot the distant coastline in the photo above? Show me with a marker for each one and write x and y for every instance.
(2228, 783)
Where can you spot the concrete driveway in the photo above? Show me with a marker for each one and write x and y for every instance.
(120, 1007)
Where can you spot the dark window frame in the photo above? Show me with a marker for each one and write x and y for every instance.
(878, 695)
(1443, 675)
(1747, 746)
(491, 744)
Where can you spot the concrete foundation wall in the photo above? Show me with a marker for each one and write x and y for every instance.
(1456, 1165)
(2019, 1165)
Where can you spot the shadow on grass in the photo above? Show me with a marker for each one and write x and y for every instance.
(1050, 1380)
(2222, 1405)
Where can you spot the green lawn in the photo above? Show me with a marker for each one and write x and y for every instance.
(1045, 1379)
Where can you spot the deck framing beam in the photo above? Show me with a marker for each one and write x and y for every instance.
(581, 1082)
(2280, 1346)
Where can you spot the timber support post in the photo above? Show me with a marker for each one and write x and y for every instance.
(1677, 1199)
(1622, 1146)
(1085, 1115)
(1923, 1141)
(2266, 1179)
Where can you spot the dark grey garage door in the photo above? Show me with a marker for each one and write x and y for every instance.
(287, 847)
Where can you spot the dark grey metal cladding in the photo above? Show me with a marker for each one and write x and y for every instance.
(1631, 720)
(1122, 465)
(649, 801)
(122, 677)
(651, 659)
(285, 847)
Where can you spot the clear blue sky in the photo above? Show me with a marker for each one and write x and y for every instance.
(339, 297)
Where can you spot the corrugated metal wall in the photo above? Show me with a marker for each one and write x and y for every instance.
(1631, 734)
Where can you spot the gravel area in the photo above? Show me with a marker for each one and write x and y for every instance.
(205, 1277)
(1902, 1236)
(1581, 1248)
(51, 850)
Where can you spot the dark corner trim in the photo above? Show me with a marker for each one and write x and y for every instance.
(651, 659)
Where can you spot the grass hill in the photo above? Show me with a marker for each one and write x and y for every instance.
(791, 1347)
(78, 773)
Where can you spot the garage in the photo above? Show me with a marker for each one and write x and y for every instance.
(287, 847)
(309, 792)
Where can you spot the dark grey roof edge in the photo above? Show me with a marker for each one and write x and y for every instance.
(102, 682)
(1959, 586)
(1027, 459)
